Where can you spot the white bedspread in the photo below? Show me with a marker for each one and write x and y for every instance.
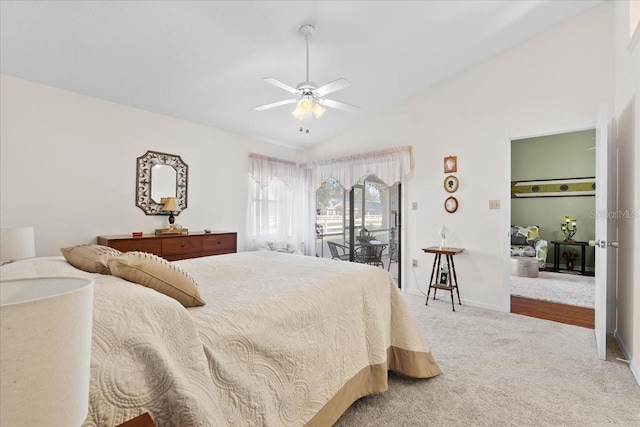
(279, 337)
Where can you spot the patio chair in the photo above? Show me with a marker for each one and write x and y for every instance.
(338, 251)
(370, 254)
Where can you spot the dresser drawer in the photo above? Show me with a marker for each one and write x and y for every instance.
(153, 246)
(181, 245)
(219, 243)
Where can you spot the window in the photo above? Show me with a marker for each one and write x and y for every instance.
(271, 194)
(271, 211)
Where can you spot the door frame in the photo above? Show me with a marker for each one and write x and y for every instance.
(350, 194)
(506, 211)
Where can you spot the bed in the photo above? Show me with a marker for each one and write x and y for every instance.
(283, 340)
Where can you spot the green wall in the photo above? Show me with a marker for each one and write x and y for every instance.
(566, 155)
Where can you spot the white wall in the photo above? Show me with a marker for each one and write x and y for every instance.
(68, 167)
(627, 119)
(553, 82)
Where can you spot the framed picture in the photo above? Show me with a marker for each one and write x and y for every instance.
(451, 204)
(451, 164)
(553, 188)
(444, 278)
(451, 184)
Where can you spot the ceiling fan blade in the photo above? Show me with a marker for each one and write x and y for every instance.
(281, 85)
(332, 87)
(276, 104)
(338, 105)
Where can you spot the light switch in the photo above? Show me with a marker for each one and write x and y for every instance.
(414, 206)
(494, 204)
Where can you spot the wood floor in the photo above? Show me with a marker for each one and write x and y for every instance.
(569, 314)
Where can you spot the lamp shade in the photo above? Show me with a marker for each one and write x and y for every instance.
(16, 243)
(170, 205)
(45, 350)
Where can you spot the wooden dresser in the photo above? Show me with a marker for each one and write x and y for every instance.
(173, 248)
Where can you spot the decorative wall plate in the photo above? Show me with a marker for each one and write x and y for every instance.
(451, 204)
(451, 184)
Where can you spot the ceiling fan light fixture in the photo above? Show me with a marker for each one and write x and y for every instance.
(318, 110)
(310, 98)
(304, 105)
(298, 114)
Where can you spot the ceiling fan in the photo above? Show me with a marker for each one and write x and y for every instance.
(308, 95)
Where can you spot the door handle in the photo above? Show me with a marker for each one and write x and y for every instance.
(598, 243)
(603, 244)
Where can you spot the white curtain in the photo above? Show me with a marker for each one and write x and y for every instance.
(264, 169)
(271, 186)
(282, 204)
(390, 166)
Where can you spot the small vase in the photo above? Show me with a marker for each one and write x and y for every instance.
(570, 265)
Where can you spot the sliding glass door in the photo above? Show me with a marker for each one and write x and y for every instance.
(350, 222)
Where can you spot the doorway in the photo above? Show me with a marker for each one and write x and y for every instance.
(551, 177)
(368, 213)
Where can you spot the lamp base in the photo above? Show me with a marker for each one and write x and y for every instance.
(169, 231)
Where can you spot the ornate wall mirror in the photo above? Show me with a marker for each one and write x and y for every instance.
(160, 175)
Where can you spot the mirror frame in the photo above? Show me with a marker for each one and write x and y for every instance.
(143, 181)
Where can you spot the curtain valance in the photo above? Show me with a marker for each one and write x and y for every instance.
(390, 166)
(263, 169)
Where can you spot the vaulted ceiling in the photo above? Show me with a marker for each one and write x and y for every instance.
(204, 61)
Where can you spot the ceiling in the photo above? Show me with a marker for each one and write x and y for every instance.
(204, 61)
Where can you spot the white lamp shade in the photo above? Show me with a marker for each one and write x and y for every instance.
(16, 243)
(45, 350)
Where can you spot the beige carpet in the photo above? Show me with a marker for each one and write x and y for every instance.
(502, 369)
(564, 288)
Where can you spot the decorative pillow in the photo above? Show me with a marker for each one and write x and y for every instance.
(530, 234)
(533, 233)
(90, 258)
(158, 274)
(516, 239)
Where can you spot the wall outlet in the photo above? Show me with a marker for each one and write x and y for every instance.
(414, 206)
(494, 204)
(414, 263)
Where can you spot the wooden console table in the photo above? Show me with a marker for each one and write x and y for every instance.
(556, 254)
(445, 283)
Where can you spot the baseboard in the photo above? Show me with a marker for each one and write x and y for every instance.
(470, 303)
(482, 305)
(627, 355)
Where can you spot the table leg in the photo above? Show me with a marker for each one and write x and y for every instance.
(582, 259)
(556, 257)
(437, 271)
(433, 270)
(450, 279)
(455, 278)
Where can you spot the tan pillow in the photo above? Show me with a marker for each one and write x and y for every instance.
(159, 274)
(90, 258)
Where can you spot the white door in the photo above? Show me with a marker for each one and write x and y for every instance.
(604, 212)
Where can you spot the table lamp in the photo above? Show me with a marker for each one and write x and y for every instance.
(170, 205)
(45, 350)
(16, 243)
